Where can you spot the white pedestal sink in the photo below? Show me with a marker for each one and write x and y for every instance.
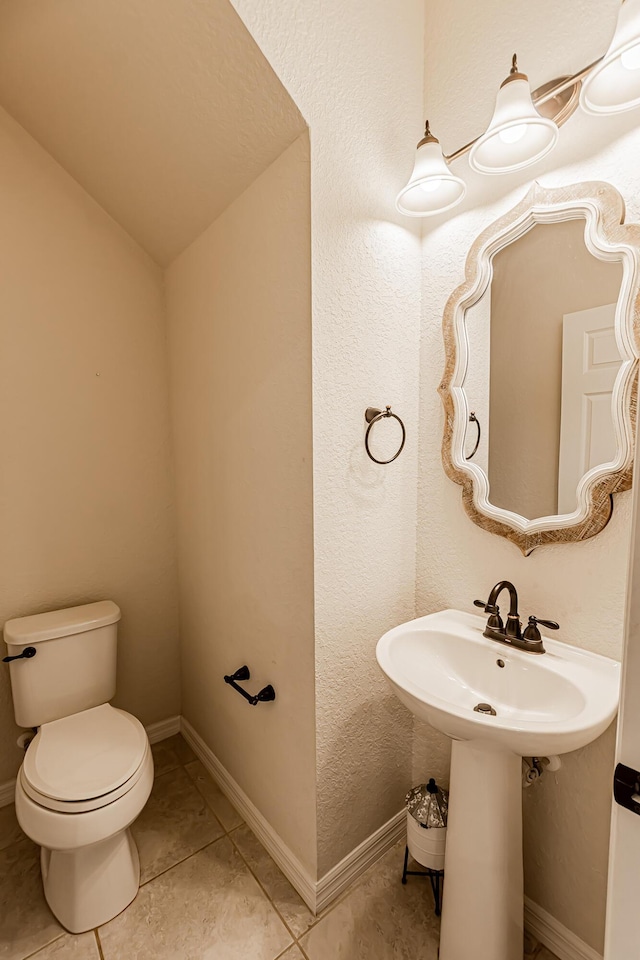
(441, 667)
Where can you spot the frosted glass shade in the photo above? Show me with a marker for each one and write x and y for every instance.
(432, 188)
(614, 84)
(517, 135)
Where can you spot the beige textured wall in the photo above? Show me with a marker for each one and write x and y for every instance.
(355, 72)
(360, 89)
(566, 837)
(547, 273)
(239, 301)
(86, 506)
(582, 585)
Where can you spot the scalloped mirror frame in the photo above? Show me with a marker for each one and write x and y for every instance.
(607, 237)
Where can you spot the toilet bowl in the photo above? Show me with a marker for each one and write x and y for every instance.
(83, 782)
(88, 772)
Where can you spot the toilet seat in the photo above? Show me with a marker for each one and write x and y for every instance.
(85, 761)
(90, 867)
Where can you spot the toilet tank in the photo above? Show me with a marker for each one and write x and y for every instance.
(74, 667)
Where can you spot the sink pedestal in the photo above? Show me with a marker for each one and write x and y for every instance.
(483, 902)
(441, 667)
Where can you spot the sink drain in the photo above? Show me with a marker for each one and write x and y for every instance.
(485, 708)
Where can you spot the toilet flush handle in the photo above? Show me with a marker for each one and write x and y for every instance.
(26, 654)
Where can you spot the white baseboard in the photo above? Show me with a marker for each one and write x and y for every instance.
(316, 894)
(283, 856)
(336, 881)
(163, 729)
(556, 937)
(319, 894)
(155, 731)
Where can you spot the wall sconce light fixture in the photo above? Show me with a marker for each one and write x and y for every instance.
(524, 126)
(614, 83)
(517, 135)
(432, 187)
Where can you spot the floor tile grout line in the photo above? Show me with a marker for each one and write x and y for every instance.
(212, 809)
(43, 946)
(182, 766)
(248, 866)
(227, 834)
(316, 917)
(206, 800)
(230, 830)
(98, 944)
(261, 885)
(286, 951)
(304, 953)
(210, 843)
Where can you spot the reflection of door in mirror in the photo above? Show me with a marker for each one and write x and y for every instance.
(545, 275)
(590, 364)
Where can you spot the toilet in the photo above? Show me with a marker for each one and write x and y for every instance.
(88, 772)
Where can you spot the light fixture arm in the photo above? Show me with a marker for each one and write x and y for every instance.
(563, 85)
(524, 125)
(549, 94)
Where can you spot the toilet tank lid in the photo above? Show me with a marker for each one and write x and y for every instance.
(60, 623)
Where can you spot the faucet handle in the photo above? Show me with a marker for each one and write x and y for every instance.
(549, 624)
(495, 620)
(532, 634)
(487, 607)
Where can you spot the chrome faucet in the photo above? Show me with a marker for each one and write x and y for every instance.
(512, 634)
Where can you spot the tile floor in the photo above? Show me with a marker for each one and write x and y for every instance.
(210, 891)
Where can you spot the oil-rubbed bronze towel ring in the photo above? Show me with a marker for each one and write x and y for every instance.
(474, 419)
(372, 415)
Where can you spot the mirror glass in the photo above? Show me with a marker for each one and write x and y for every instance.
(542, 363)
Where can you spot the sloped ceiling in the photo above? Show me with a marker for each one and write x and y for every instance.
(163, 110)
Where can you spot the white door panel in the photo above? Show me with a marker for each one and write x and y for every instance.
(622, 940)
(590, 364)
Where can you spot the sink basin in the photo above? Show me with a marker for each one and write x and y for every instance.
(441, 667)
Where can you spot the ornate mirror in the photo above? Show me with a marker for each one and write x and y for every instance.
(542, 343)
